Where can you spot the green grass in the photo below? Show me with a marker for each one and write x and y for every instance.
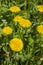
(33, 41)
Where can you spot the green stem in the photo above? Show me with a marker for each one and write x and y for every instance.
(25, 5)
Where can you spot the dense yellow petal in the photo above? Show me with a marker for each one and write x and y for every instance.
(18, 18)
(7, 30)
(25, 23)
(40, 29)
(40, 8)
(16, 44)
(14, 9)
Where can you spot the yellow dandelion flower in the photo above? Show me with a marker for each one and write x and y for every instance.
(25, 23)
(40, 8)
(40, 29)
(7, 30)
(18, 18)
(14, 9)
(16, 44)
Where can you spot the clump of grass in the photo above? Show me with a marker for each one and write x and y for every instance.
(23, 21)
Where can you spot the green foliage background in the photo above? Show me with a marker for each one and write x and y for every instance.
(33, 41)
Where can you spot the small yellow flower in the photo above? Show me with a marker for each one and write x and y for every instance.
(18, 18)
(40, 29)
(7, 30)
(25, 23)
(14, 9)
(40, 8)
(16, 44)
